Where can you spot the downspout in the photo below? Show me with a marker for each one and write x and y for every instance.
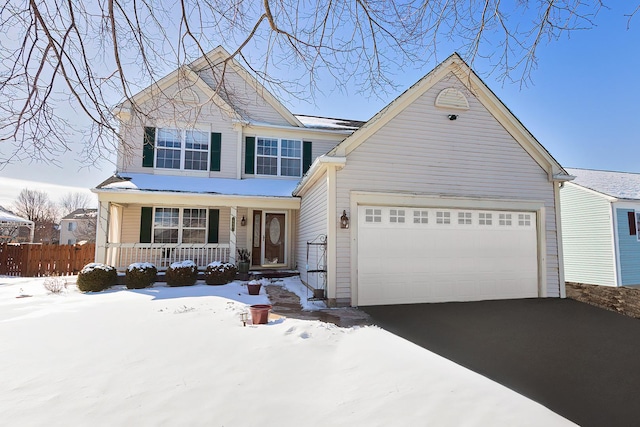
(562, 286)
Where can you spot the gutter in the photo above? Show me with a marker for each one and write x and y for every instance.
(319, 164)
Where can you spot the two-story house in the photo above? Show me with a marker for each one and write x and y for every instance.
(78, 226)
(442, 196)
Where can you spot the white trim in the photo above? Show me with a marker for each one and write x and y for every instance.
(359, 198)
(561, 280)
(263, 236)
(316, 169)
(183, 148)
(454, 64)
(617, 273)
(278, 156)
(332, 244)
(195, 199)
(101, 233)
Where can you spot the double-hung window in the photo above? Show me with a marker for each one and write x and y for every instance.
(279, 157)
(182, 149)
(179, 225)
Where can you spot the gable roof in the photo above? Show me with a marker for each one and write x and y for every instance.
(167, 81)
(316, 122)
(6, 216)
(456, 65)
(219, 54)
(621, 185)
(82, 213)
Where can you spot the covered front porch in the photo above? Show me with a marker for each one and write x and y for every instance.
(167, 228)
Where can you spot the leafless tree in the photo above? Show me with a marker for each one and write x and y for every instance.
(36, 206)
(75, 200)
(63, 59)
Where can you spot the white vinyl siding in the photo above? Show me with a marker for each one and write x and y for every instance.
(420, 151)
(587, 233)
(206, 117)
(312, 222)
(244, 98)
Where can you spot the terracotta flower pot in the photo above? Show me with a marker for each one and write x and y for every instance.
(253, 288)
(260, 313)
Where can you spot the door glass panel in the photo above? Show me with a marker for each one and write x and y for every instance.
(274, 248)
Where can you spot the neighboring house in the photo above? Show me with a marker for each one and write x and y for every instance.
(600, 226)
(78, 226)
(14, 229)
(441, 196)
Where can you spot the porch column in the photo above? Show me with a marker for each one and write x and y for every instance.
(102, 231)
(233, 224)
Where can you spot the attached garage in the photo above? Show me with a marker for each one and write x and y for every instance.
(417, 255)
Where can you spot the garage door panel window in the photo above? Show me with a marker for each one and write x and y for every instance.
(396, 216)
(504, 219)
(443, 217)
(420, 217)
(465, 218)
(485, 218)
(524, 220)
(373, 215)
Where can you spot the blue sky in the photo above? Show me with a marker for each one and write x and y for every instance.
(582, 103)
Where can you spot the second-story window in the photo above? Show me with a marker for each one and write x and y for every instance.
(279, 157)
(182, 149)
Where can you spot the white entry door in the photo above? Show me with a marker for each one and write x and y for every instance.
(416, 255)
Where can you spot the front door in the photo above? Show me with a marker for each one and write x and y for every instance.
(274, 238)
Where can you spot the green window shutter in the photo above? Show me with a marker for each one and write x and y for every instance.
(249, 155)
(307, 159)
(216, 147)
(146, 222)
(148, 146)
(214, 225)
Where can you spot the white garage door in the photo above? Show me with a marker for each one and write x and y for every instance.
(414, 255)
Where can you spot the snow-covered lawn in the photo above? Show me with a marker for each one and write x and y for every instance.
(181, 357)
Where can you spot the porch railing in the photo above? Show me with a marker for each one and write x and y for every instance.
(121, 255)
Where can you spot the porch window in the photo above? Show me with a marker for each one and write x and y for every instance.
(278, 157)
(182, 149)
(179, 225)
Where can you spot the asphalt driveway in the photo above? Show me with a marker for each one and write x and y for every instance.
(580, 361)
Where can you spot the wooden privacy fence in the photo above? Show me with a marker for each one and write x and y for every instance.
(35, 260)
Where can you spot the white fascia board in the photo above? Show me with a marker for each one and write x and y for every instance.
(194, 199)
(342, 133)
(562, 177)
(456, 65)
(317, 168)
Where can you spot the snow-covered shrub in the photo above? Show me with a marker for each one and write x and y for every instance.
(184, 273)
(140, 275)
(96, 277)
(220, 273)
(55, 284)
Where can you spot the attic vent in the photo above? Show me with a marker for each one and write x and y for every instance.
(452, 98)
(186, 95)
